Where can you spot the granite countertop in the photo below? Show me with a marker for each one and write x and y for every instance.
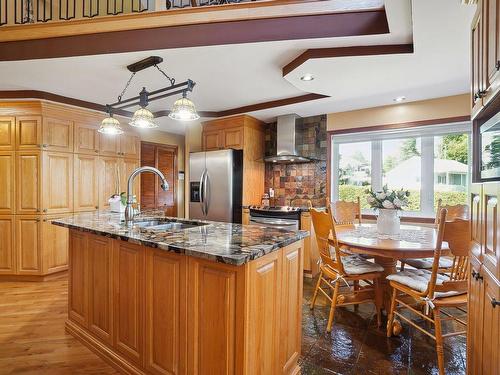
(234, 244)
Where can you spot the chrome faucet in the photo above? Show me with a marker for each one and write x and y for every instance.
(129, 210)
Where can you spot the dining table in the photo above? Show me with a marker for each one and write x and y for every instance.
(413, 242)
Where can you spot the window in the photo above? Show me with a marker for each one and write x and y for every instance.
(432, 162)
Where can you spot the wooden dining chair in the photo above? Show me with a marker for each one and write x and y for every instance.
(341, 268)
(345, 212)
(458, 211)
(437, 290)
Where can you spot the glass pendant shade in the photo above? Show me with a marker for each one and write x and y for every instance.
(110, 125)
(143, 118)
(183, 110)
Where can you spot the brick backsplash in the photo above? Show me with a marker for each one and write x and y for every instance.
(300, 182)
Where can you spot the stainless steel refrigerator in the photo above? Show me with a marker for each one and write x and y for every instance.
(216, 186)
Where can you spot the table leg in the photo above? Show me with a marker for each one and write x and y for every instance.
(389, 266)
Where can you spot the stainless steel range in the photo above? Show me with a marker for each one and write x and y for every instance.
(284, 217)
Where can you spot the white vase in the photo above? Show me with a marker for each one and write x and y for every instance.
(388, 222)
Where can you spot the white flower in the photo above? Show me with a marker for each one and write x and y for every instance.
(380, 195)
(387, 204)
(370, 199)
(398, 203)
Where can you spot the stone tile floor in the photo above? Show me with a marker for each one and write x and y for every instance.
(357, 346)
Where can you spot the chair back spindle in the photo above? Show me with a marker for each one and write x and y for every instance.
(346, 212)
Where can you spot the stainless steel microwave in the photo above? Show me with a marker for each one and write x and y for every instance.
(489, 149)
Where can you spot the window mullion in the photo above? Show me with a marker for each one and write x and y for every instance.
(376, 165)
(427, 173)
(334, 195)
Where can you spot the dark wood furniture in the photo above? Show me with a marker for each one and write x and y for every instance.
(164, 158)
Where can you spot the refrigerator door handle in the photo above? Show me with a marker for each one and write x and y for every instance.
(206, 192)
(202, 193)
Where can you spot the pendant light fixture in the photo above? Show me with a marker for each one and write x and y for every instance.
(110, 125)
(182, 110)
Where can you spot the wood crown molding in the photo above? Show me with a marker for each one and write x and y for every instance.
(401, 125)
(223, 32)
(323, 53)
(43, 95)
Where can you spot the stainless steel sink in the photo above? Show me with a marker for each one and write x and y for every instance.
(158, 224)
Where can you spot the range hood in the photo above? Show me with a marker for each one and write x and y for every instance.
(287, 141)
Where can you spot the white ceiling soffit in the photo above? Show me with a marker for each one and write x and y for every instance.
(232, 76)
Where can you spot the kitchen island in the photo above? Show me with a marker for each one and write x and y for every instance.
(169, 296)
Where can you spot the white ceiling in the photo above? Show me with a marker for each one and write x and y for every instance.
(238, 75)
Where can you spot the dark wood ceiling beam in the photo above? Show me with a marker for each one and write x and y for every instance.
(352, 23)
(43, 95)
(322, 53)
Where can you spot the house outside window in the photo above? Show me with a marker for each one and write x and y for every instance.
(432, 162)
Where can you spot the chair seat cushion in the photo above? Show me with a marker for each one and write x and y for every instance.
(355, 265)
(419, 280)
(426, 263)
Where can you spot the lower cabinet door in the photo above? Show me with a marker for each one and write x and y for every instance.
(165, 312)
(128, 275)
(54, 244)
(28, 242)
(491, 325)
(7, 248)
(474, 321)
(100, 274)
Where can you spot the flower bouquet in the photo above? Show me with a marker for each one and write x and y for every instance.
(388, 202)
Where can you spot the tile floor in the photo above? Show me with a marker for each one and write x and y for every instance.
(357, 346)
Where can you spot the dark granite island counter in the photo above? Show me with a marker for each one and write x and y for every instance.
(169, 296)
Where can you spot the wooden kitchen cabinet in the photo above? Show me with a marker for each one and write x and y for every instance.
(233, 138)
(485, 54)
(28, 132)
(57, 182)
(57, 135)
(54, 244)
(212, 140)
(127, 166)
(490, 256)
(109, 180)
(28, 182)
(86, 139)
(7, 133)
(130, 146)
(109, 145)
(86, 183)
(28, 241)
(78, 282)
(7, 182)
(7, 245)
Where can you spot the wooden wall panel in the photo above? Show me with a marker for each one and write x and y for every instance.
(28, 233)
(128, 275)
(57, 134)
(85, 183)
(57, 182)
(78, 278)
(54, 246)
(165, 313)
(7, 133)
(7, 248)
(28, 182)
(7, 182)
(28, 132)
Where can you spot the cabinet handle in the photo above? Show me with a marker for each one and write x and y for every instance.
(44, 210)
(96, 151)
(481, 94)
(37, 210)
(96, 207)
(476, 275)
(497, 65)
(494, 302)
(45, 145)
(37, 220)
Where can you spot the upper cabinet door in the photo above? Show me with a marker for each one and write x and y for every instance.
(109, 144)
(233, 138)
(212, 140)
(491, 249)
(57, 187)
(492, 39)
(7, 182)
(7, 133)
(28, 132)
(130, 146)
(109, 180)
(86, 139)
(86, 183)
(28, 175)
(57, 135)
(127, 166)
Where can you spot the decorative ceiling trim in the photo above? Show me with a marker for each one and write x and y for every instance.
(352, 23)
(43, 95)
(322, 53)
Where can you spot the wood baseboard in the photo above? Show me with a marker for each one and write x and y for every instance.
(33, 278)
(107, 354)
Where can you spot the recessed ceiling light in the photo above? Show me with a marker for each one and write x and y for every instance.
(399, 99)
(307, 77)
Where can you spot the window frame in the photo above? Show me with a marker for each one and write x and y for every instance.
(426, 134)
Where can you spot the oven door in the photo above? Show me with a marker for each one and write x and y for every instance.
(274, 222)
